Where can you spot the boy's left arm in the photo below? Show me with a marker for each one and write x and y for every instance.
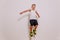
(37, 14)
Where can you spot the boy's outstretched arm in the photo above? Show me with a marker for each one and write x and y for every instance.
(25, 11)
(38, 14)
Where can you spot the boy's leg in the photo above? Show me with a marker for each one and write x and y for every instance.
(31, 33)
(34, 30)
(35, 27)
(31, 28)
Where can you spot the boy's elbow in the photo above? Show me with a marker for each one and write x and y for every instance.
(21, 13)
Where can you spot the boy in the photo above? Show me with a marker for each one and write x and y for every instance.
(32, 19)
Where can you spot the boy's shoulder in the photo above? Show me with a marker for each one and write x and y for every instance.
(32, 10)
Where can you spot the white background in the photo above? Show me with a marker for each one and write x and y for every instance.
(12, 29)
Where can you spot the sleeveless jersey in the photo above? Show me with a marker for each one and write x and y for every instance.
(33, 15)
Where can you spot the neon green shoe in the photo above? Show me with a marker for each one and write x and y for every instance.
(31, 34)
(34, 31)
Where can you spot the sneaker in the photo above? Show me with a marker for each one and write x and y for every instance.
(34, 31)
(31, 34)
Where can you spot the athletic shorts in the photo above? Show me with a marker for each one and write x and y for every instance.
(33, 22)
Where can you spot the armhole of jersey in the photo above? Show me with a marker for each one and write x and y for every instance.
(35, 11)
(29, 10)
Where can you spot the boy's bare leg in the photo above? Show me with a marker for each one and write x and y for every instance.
(30, 28)
(35, 27)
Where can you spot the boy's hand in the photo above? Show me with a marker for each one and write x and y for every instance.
(38, 16)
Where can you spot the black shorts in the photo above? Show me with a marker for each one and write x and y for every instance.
(33, 22)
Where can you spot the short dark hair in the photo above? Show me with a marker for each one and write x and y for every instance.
(33, 4)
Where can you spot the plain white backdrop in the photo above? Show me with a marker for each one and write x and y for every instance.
(12, 29)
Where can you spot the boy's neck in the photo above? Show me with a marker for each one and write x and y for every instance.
(33, 9)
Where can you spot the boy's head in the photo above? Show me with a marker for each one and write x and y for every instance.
(33, 6)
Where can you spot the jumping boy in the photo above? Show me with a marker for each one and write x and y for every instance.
(33, 19)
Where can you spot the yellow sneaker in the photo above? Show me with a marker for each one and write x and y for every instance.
(34, 31)
(31, 34)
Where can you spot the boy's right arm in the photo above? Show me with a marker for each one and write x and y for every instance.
(25, 11)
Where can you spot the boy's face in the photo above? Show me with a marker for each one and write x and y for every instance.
(33, 6)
